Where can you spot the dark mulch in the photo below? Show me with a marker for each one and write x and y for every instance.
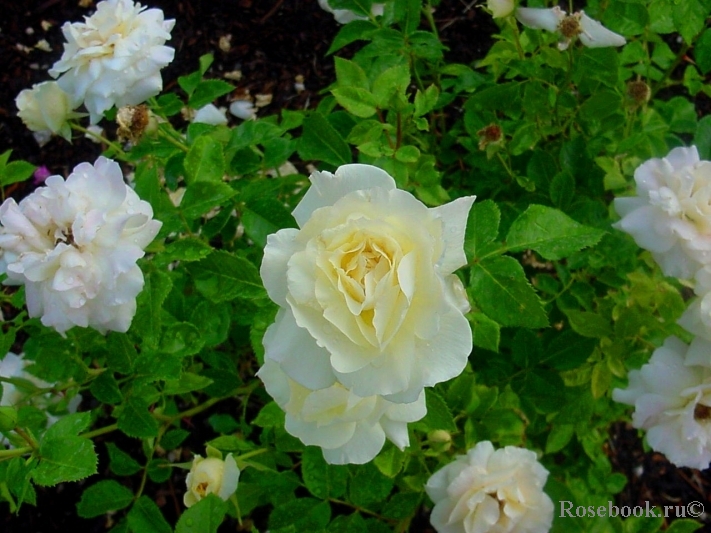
(272, 42)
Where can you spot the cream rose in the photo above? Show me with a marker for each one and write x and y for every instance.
(367, 289)
(348, 428)
(490, 490)
(671, 214)
(114, 57)
(211, 475)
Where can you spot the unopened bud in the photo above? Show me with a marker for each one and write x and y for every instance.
(440, 440)
(8, 418)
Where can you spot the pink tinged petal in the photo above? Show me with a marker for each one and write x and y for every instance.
(454, 217)
(301, 358)
(540, 19)
(365, 444)
(595, 35)
(326, 188)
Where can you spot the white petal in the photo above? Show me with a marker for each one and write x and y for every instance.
(454, 217)
(365, 444)
(595, 35)
(279, 249)
(540, 19)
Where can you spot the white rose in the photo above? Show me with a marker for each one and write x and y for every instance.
(590, 32)
(348, 428)
(366, 288)
(672, 399)
(45, 109)
(500, 8)
(344, 16)
(74, 245)
(211, 476)
(114, 57)
(671, 214)
(490, 490)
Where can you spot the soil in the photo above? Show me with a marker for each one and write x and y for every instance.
(272, 41)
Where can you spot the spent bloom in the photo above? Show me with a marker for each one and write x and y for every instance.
(211, 475)
(366, 288)
(46, 110)
(671, 214)
(348, 428)
(590, 32)
(74, 245)
(490, 490)
(114, 57)
(672, 399)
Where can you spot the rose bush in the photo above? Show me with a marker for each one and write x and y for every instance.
(74, 245)
(490, 490)
(367, 289)
(114, 57)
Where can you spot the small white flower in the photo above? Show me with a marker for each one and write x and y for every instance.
(490, 490)
(74, 245)
(211, 475)
(46, 109)
(500, 8)
(344, 16)
(347, 427)
(590, 32)
(366, 288)
(672, 399)
(243, 109)
(210, 114)
(671, 214)
(114, 57)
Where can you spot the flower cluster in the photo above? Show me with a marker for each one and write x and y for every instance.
(371, 312)
(113, 58)
(670, 217)
(491, 490)
(74, 245)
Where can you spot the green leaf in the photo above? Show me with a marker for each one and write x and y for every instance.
(702, 138)
(426, 101)
(568, 351)
(589, 324)
(486, 332)
(202, 196)
(102, 497)
(702, 52)
(188, 382)
(147, 322)
(390, 461)
(559, 437)
(550, 232)
(625, 18)
(353, 31)
(303, 514)
(407, 154)
(356, 100)
(438, 415)
(206, 91)
(562, 189)
(203, 517)
(135, 420)
(359, 7)
(263, 216)
(350, 74)
(323, 480)
(173, 438)
(684, 525)
(65, 459)
(389, 83)
(222, 276)
(271, 415)
(501, 290)
(105, 389)
(369, 485)
(181, 339)
(205, 161)
(402, 505)
(68, 426)
(145, 517)
(121, 463)
(159, 470)
(321, 142)
(482, 228)
(689, 18)
(15, 172)
(187, 249)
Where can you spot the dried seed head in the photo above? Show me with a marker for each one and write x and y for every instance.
(132, 121)
(489, 135)
(639, 91)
